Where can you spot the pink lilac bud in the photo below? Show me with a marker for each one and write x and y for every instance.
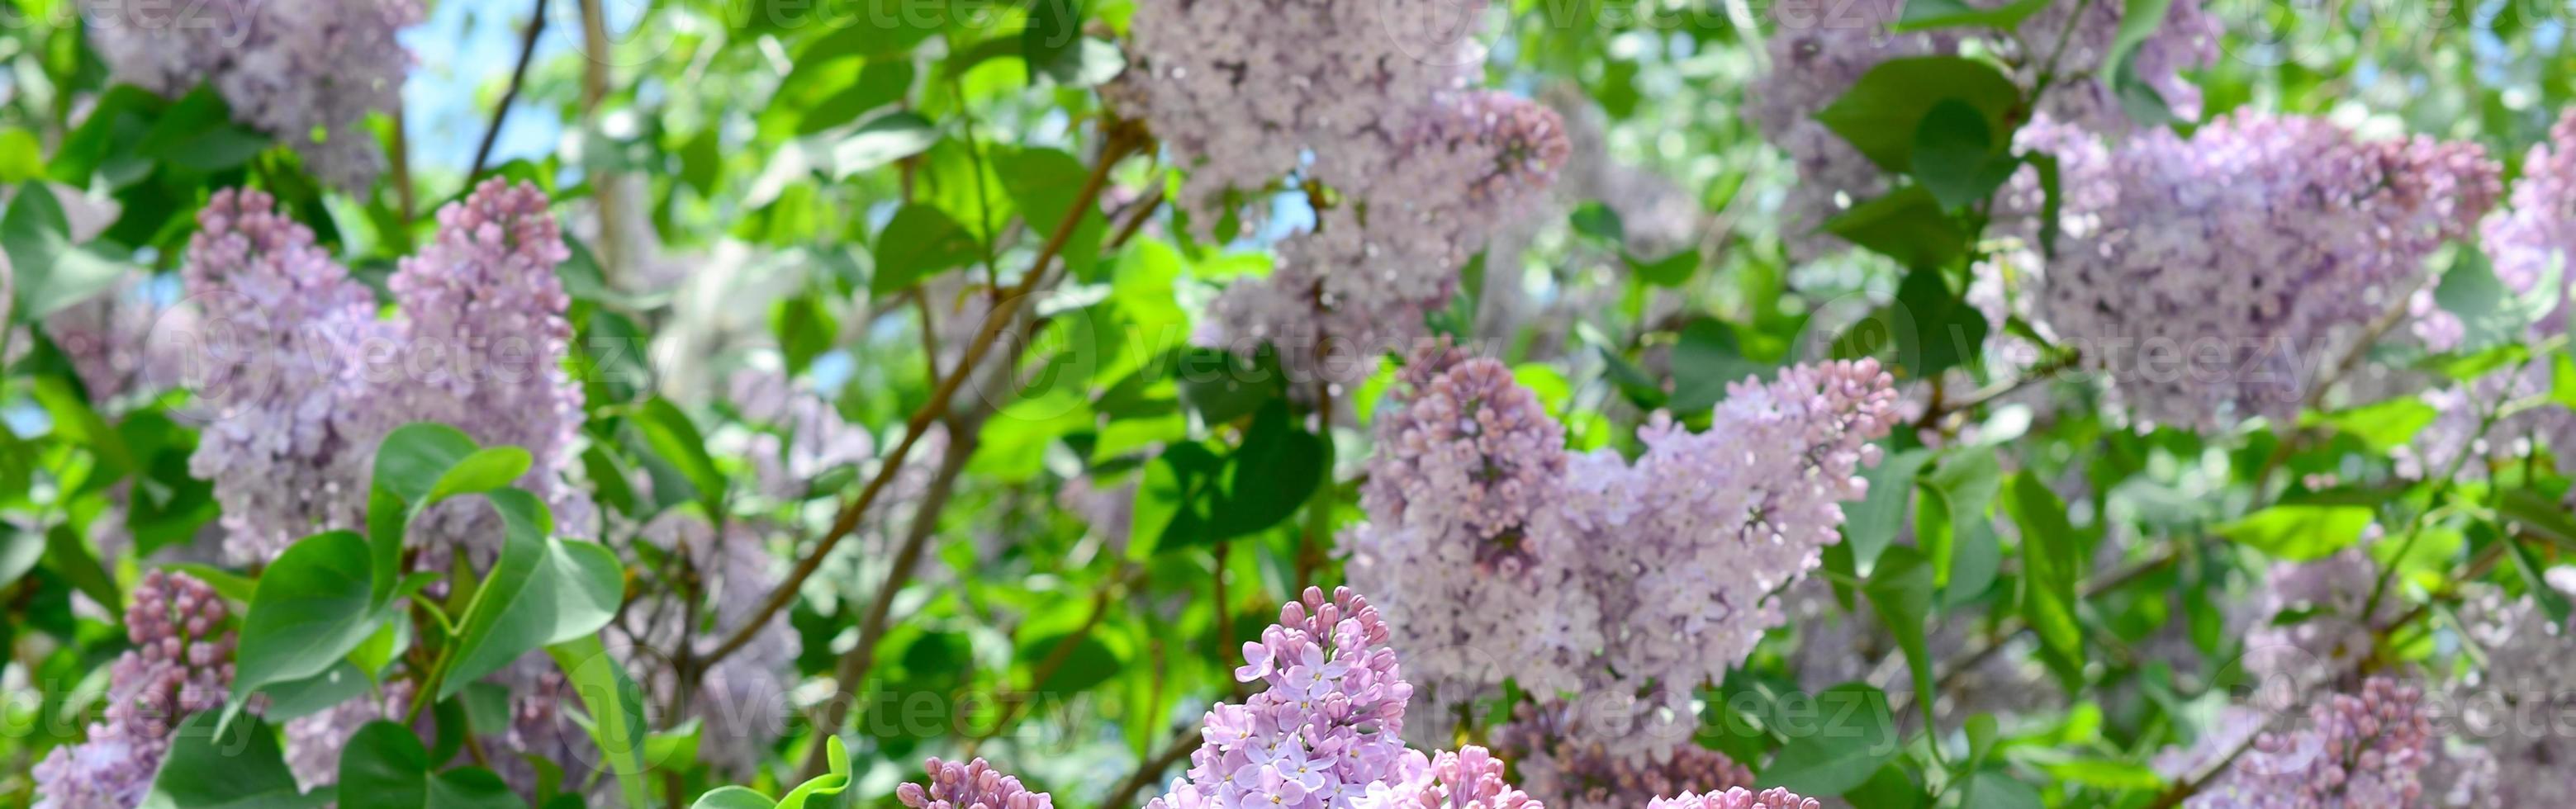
(181, 664)
(2291, 235)
(1738, 798)
(1326, 725)
(308, 73)
(1470, 778)
(1568, 773)
(2354, 750)
(973, 785)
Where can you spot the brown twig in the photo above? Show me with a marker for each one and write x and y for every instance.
(1183, 744)
(510, 95)
(1004, 313)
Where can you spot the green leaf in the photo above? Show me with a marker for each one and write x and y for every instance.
(1955, 154)
(878, 84)
(1276, 470)
(921, 241)
(1053, 32)
(1599, 222)
(1995, 789)
(806, 328)
(20, 550)
(311, 695)
(2386, 425)
(69, 557)
(1223, 387)
(1173, 500)
(198, 134)
(1921, 15)
(311, 609)
(384, 766)
(2489, 312)
(2552, 602)
(1907, 225)
(418, 465)
(541, 592)
(51, 273)
(1090, 63)
(1087, 664)
(1881, 114)
(734, 798)
(883, 139)
(1936, 329)
(895, 35)
(2540, 514)
(1706, 360)
(1046, 185)
(1869, 525)
(22, 157)
(1669, 272)
(1900, 592)
(823, 790)
(211, 766)
(615, 709)
(1856, 738)
(2050, 566)
(2299, 532)
(674, 438)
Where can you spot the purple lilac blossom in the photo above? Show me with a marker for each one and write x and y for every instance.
(1684, 548)
(1738, 798)
(2528, 244)
(2226, 268)
(2308, 622)
(973, 785)
(484, 352)
(1326, 725)
(2512, 753)
(1567, 773)
(307, 72)
(1466, 458)
(181, 663)
(292, 419)
(2366, 749)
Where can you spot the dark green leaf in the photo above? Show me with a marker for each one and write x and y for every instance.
(2050, 566)
(311, 609)
(1954, 149)
(920, 242)
(1907, 225)
(230, 767)
(1276, 470)
(1856, 738)
(1881, 114)
(1923, 15)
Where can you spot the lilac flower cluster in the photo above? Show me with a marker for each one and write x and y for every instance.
(181, 663)
(2308, 622)
(1738, 798)
(2529, 244)
(2291, 235)
(1572, 774)
(484, 352)
(2355, 750)
(290, 69)
(1476, 513)
(974, 785)
(1326, 725)
(292, 421)
(1469, 778)
(306, 380)
(2511, 707)
(811, 438)
(1373, 103)
(1466, 459)
(1821, 49)
(1683, 549)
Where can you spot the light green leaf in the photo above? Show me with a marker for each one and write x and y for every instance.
(1869, 525)
(615, 709)
(881, 140)
(2050, 567)
(51, 273)
(1900, 592)
(824, 790)
(1921, 15)
(1858, 736)
(921, 242)
(2299, 532)
(733, 798)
